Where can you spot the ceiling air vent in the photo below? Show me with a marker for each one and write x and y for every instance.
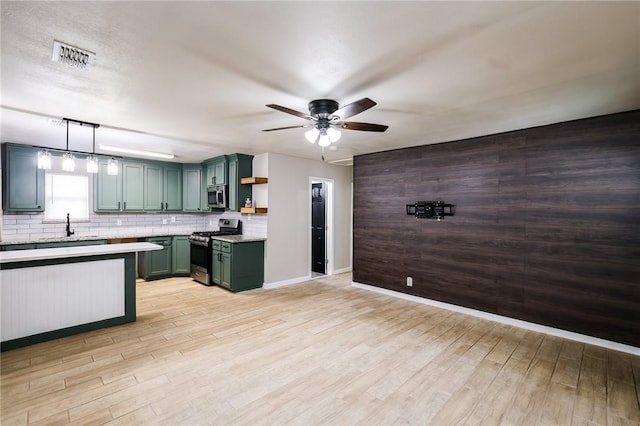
(72, 56)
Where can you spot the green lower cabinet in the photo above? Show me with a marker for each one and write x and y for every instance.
(51, 244)
(157, 263)
(23, 246)
(173, 260)
(181, 256)
(238, 266)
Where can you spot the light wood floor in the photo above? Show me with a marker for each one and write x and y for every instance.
(320, 352)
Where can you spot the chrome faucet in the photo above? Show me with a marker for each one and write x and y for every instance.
(69, 231)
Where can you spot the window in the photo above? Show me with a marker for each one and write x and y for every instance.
(64, 194)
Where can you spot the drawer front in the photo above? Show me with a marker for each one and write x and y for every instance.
(225, 247)
(217, 244)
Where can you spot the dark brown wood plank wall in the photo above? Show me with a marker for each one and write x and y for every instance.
(546, 226)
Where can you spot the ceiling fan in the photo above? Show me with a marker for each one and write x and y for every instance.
(327, 117)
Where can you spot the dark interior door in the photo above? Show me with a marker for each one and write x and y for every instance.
(317, 228)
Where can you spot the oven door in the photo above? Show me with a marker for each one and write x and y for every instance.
(201, 262)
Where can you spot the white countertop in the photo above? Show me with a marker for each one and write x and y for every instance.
(237, 238)
(65, 252)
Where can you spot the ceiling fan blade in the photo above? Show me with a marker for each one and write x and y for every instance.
(354, 108)
(288, 127)
(290, 111)
(366, 127)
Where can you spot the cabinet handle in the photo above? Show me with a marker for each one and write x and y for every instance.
(118, 205)
(124, 205)
(166, 206)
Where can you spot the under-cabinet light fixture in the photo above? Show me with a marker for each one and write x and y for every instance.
(137, 152)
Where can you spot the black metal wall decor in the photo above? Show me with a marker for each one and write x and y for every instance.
(430, 209)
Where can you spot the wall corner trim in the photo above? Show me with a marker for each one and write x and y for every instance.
(505, 320)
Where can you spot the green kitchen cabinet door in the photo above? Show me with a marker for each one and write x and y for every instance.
(215, 171)
(156, 263)
(221, 172)
(216, 266)
(107, 189)
(240, 165)
(24, 182)
(132, 186)
(225, 270)
(172, 196)
(192, 188)
(181, 256)
(153, 188)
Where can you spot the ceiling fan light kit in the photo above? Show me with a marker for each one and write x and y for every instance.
(327, 118)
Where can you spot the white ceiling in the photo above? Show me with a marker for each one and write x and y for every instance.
(193, 78)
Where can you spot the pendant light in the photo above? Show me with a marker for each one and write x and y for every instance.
(112, 167)
(44, 159)
(68, 160)
(92, 160)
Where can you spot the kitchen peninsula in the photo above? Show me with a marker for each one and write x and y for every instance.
(56, 292)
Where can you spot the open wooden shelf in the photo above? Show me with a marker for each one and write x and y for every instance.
(253, 210)
(253, 180)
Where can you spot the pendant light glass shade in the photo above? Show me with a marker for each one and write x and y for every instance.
(68, 162)
(312, 135)
(112, 167)
(92, 164)
(44, 160)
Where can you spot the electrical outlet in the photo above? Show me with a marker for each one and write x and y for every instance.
(173, 219)
(119, 222)
(409, 282)
(164, 221)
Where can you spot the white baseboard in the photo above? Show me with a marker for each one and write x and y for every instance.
(301, 279)
(292, 281)
(506, 320)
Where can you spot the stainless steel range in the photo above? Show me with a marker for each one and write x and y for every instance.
(202, 248)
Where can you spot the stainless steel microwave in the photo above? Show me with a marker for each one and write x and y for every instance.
(217, 196)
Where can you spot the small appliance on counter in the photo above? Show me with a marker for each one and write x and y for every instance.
(202, 248)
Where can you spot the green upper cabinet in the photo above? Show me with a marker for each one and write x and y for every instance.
(132, 186)
(215, 171)
(139, 186)
(153, 189)
(162, 187)
(107, 189)
(23, 181)
(240, 165)
(172, 192)
(192, 188)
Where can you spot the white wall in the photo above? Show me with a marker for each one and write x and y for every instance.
(288, 225)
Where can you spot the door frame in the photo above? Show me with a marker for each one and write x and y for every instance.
(329, 223)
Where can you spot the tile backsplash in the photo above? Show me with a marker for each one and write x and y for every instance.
(29, 227)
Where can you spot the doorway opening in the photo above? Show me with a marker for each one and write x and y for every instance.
(321, 227)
